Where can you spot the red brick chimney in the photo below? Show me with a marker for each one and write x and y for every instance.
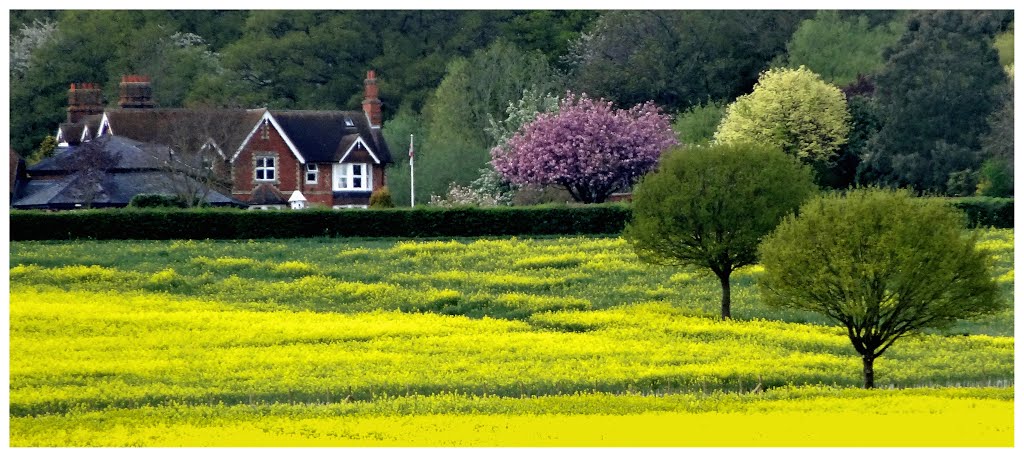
(371, 104)
(84, 99)
(136, 92)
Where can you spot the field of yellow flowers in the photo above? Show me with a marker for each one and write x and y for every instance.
(492, 342)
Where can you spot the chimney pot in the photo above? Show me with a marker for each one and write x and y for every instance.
(84, 99)
(136, 92)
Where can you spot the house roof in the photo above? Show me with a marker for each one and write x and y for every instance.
(71, 132)
(120, 154)
(176, 126)
(127, 167)
(113, 189)
(265, 194)
(325, 136)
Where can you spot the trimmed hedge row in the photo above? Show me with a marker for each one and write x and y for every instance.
(986, 211)
(153, 224)
(162, 224)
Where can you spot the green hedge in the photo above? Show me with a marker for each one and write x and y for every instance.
(161, 224)
(156, 224)
(986, 211)
(157, 201)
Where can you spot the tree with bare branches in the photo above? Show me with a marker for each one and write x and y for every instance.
(201, 142)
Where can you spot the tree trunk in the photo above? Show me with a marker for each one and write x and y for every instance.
(726, 296)
(869, 372)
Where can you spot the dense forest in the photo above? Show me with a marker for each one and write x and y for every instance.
(929, 93)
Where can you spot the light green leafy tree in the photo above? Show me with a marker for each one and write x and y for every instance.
(697, 124)
(881, 263)
(474, 91)
(1004, 44)
(396, 132)
(792, 109)
(519, 112)
(840, 48)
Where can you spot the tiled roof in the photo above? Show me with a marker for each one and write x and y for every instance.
(227, 127)
(325, 136)
(265, 194)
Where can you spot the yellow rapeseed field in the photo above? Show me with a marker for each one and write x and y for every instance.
(505, 342)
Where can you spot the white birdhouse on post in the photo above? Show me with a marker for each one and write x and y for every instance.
(297, 200)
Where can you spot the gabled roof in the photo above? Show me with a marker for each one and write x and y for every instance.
(265, 194)
(71, 132)
(326, 136)
(158, 125)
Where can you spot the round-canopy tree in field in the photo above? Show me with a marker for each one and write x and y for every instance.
(792, 109)
(588, 147)
(709, 206)
(879, 262)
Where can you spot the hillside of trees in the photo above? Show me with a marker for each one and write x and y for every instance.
(929, 93)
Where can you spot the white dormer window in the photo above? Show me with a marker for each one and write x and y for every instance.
(312, 173)
(348, 122)
(265, 169)
(352, 176)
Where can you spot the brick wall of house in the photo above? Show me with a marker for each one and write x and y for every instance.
(378, 177)
(289, 172)
(319, 194)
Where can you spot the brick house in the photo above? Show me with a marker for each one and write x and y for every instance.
(333, 159)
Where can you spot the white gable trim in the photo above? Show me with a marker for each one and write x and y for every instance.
(358, 141)
(213, 144)
(60, 138)
(105, 126)
(267, 117)
(85, 135)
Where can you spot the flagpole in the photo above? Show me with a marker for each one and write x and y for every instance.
(412, 176)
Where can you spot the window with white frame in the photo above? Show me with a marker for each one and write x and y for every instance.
(312, 173)
(352, 176)
(265, 170)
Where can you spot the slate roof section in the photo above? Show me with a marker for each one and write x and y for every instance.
(159, 125)
(325, 136)
(134, 168)
(127, 154)
(114, 190)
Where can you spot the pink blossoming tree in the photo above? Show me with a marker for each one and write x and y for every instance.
(588, 147)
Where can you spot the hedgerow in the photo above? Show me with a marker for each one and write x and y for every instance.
(210, 223)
